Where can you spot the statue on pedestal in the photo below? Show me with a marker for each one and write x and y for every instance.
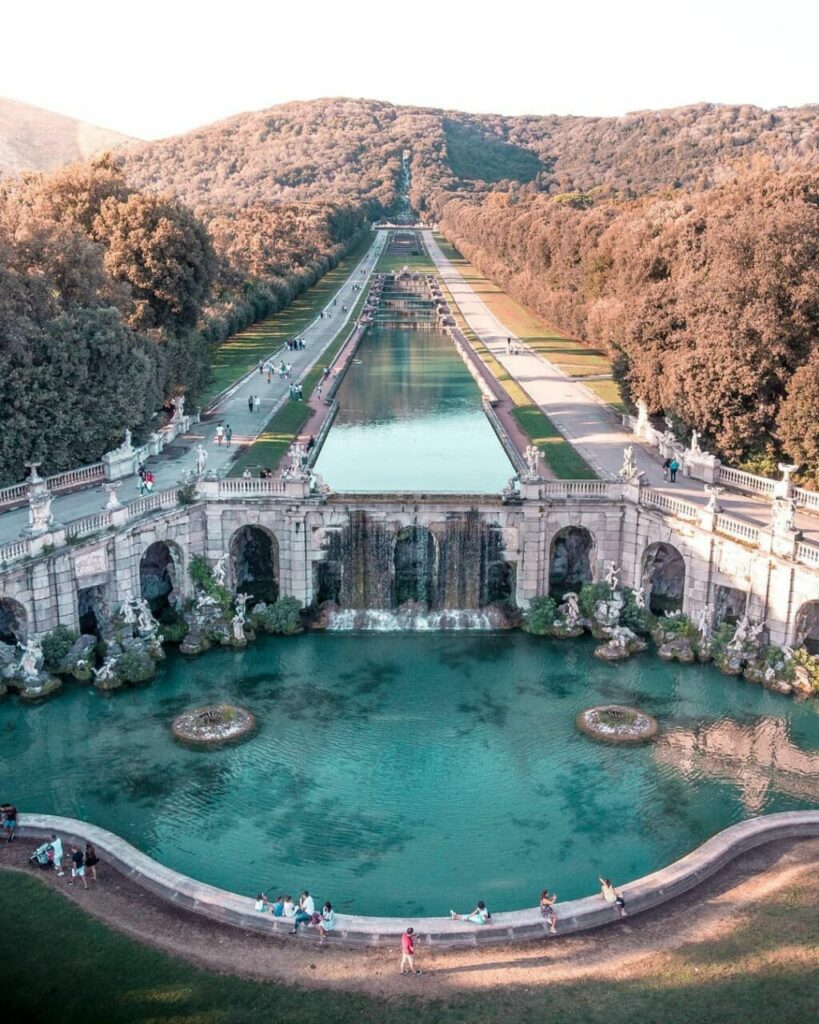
(612, 573)
(201, 459)
(31, 661)
(178, 408)
(713, 493)
(783, 514)
(695, 443)
(629, 470)
(532, 456)
(640, 597)
(127, 445)
(220, 570)
(40, 517)
(105, 672)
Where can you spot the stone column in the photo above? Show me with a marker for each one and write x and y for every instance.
(65, 591)
(531, 572)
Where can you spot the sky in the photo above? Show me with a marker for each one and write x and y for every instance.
(152, 68)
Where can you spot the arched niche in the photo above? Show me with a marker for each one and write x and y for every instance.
(664, 577)
(570, 560)
(415, 563)
(254, 561)
(13, 621)
(807, 626)
(160, 573)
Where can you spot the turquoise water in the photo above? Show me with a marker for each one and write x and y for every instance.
(410, 418)
(408, 773)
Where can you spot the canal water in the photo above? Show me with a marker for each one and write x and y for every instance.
(410, 419)
(413, 773)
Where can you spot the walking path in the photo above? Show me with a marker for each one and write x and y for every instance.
(584, 419)
(229, 408)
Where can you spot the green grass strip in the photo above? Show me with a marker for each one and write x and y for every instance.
(61, 966)
(285, 426)
(241, 352)
(559, 455)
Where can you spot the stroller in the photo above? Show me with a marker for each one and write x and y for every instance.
(43, 856)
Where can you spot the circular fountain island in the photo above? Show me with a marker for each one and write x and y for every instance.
(617, 723)
(213, 725)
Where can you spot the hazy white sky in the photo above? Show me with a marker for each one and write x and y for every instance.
(157, 67)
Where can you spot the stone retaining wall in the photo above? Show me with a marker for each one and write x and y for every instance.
(514, 926)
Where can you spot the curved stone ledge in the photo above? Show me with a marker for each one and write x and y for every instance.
(513, 926)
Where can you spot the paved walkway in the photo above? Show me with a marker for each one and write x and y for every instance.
(232, 407)
(593, 427)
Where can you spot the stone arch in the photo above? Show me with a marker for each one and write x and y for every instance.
(663, 577)
(254, 563)
(415, 566)
(570, 560)
(13, 621)
(807, 626)
(161, 574)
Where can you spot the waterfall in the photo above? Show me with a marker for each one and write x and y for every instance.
(411, 618)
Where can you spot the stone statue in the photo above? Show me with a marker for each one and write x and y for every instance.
(695, 443)
(612, 573)
(713, 493)
(740, 633)
(40, 517)
(532, 456)
(127, 444)
(220, 570)
(783, 512)
(238, 623)
(178, 409)
(204, 600)
(127, 613)
(702, 620)
(31, 661)
(201, 459)
(629, 470)
(640, 597)
(105, 672)
(509, 490)
(241, 603)
(642, 416)
(572, 613)
(146, 623)
(755, 633)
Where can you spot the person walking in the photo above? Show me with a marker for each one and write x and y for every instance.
(612, 895)
(228, 434)
(261, 366)
(408, 952)
(666, 465)
(91, 860)
(77, 866)
(672, 470)
(250, 403)
(220, 434)
(256, 403)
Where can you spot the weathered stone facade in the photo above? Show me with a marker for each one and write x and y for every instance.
(776, 588)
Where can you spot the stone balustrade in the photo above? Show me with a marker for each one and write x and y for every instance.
(513, 926)
(60, 483)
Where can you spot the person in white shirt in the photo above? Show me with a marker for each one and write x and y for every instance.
(307, 907)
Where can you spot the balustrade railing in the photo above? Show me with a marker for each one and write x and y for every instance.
(151, 502)
(744, 532)
(748, 482)
(240, 486)
(667, 503)
(13, 552)
(806, 499)
(88, 524)
(84, 476)
(807, 554)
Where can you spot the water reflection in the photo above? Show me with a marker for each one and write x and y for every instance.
(757, 758)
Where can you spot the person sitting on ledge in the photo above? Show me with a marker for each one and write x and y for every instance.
(612, 895)
(262, 903)
(8, 813)
(328, 920)
(277, 906)
(480, 915)
(307, 907)
(288, 907)
(547, 909)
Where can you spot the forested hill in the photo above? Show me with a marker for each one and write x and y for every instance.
(32, 139)
(350, 150)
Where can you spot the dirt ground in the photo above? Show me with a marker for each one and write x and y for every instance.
(628, 949)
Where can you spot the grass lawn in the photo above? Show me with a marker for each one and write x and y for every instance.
(560, 456)
(286, 425)
(572, 356)
(392, 264)
(241, 352)
(63, 966)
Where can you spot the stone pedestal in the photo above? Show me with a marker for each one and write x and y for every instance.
(120, 463)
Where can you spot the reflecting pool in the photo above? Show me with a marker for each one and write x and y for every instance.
(410, 418)
(411, 773)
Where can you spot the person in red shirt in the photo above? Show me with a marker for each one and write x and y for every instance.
(408, 952)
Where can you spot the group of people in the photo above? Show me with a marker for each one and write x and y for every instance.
(253, 403)
(83, 862)
(146, 481)
(670, 469)
(303, 912)
(295, 344)
(224, 433)
(513, 348)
